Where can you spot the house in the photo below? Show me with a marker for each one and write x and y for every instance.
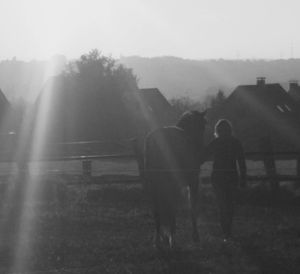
(263, 110)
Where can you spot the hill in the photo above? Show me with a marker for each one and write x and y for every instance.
(177, 77)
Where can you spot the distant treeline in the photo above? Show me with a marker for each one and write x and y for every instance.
(175, 77)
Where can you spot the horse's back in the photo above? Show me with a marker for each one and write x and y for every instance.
(163, 147)
(168, 153)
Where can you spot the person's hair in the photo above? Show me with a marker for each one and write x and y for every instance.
(223, 128)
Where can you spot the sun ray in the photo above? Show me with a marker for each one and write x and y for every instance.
(30, 146)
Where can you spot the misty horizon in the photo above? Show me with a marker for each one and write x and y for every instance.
(68, 59)
(199, 78)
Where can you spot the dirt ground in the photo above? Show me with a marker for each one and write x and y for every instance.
(106, 227)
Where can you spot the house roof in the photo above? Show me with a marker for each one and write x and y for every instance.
(153, 108)
(6, 120)
(4, 107)
(154, 100)
(271, 97)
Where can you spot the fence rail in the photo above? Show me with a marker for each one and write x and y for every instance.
(72, 158)
(82, 151)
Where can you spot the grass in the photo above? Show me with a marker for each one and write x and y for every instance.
(107, 227)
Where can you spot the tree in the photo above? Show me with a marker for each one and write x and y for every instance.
(185, 103)
(87, 100)
(101, 73)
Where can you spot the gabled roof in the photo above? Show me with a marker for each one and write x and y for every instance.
(6, 118)
(152, 108)
(271, 97)
(3, 100)
(154, 100)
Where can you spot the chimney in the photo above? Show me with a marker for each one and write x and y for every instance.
(293, 84)
(260, 81)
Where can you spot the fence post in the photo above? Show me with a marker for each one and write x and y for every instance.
(269, 162)
(139, 155)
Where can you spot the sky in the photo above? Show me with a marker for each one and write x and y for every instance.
(193, 29)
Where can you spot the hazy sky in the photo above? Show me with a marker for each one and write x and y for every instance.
(186, 28)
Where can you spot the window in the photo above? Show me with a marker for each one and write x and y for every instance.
(280, 108)
(288, 108)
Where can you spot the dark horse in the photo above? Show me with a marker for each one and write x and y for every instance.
(171, 166)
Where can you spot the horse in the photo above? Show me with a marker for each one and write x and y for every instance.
(172, 158)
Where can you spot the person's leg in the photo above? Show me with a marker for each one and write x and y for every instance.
(194, 203)
(229, 205)
(225, 213)
(222, 204)
(228, 213)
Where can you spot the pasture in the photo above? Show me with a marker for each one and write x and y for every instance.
(72, 225)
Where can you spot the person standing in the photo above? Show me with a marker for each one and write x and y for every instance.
(229, 170)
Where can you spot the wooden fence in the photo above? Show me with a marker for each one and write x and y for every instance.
(271, 170)
(127, 149)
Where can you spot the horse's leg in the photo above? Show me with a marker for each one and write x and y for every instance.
(194, 201)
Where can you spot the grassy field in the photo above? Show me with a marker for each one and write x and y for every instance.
(69, 226)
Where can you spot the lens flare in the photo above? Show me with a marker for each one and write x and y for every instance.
(30, 146)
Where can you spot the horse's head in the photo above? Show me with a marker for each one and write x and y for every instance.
(193, 123)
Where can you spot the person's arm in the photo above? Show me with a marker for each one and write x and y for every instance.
(242, 164)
